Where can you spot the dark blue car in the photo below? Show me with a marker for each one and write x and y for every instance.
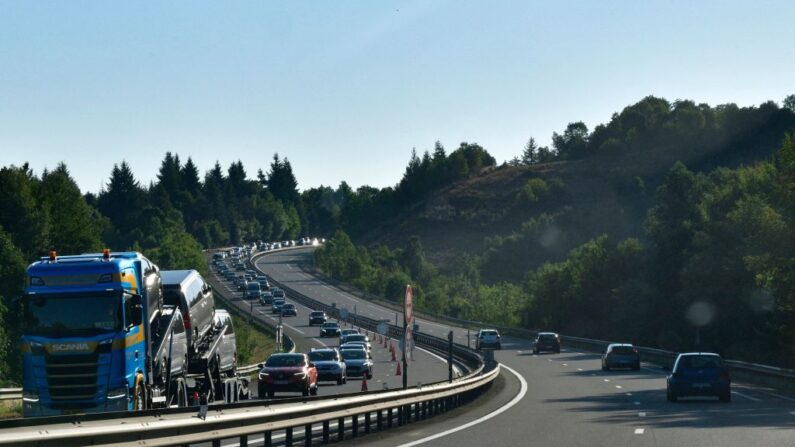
(699, 374)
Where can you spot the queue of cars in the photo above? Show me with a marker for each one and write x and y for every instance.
(301, 372)
(693, 373)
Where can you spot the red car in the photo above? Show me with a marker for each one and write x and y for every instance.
(287, 372)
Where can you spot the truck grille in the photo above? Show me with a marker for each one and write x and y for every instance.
(72, 377)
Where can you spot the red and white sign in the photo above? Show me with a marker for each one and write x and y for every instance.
(408, 306)
(408, 316)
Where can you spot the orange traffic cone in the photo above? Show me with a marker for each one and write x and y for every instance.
(397, 373)
(393, 357)
(364, 382)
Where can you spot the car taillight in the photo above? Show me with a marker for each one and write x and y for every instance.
(186, 319)
(635, 350)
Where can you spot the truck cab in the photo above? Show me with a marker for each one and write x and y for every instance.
(87, 341)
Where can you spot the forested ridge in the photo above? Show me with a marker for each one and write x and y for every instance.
(671, 216)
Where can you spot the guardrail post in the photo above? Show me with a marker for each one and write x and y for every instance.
(307, 435)
(288, 437)
(268, 439)
(400, 416)
(380, 420)
(355, 425)
(216, 443)
(367, 422)
(243, 440)
(340, 429)
(325, 432)
(417, 412)
(389, 418)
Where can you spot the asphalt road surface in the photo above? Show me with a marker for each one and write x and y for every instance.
(430, 367)
(565, 399)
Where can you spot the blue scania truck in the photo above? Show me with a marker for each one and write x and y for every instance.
(97, 337)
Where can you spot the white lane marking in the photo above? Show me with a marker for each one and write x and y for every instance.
(579, 369)
(606, 380)
(500, 410)
(768, 393)
(639, 431)
(746, 396)
(628, 394)
(549, 360)
(636, 403)
(618, 387)
(565, 364)
(642, 414)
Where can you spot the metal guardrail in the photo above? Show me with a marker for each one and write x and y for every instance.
(313, 418)
(10, 393)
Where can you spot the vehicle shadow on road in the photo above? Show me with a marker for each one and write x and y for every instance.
(619, 408)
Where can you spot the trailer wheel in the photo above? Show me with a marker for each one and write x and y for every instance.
(182, 393)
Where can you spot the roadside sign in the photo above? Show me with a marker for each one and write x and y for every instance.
(408, 306)
(344, 313)
(382, 328)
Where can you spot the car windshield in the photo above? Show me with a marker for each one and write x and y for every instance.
(330, 326)
(353, 354)
(66, 315)
(317, 356)
(253, 286)
(317, 314)
(289, 306)
(546, 337)
(489, 333)
(356, 337)
(699, 362)
(285, 360)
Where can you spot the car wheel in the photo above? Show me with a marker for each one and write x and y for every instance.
(313, 390)
(499, 346)
(557, 351)
(369, 376)
(636, 367)
(340, 381)
(271, 394)
(344, 380)
(604, 368)
(305, 392)
(726, 397)
(671, 396)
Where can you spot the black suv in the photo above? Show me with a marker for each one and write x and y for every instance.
(317, 317)
(547, 341)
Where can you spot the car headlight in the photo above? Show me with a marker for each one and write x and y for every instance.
(30, 395)
(300, 375)
(263, 375)
(117, 393)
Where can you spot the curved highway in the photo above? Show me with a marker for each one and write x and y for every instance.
(307, 337)
(564, 399)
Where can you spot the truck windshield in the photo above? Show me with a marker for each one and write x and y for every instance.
(66, 315)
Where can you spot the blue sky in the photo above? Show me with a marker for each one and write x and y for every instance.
(346, 89)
